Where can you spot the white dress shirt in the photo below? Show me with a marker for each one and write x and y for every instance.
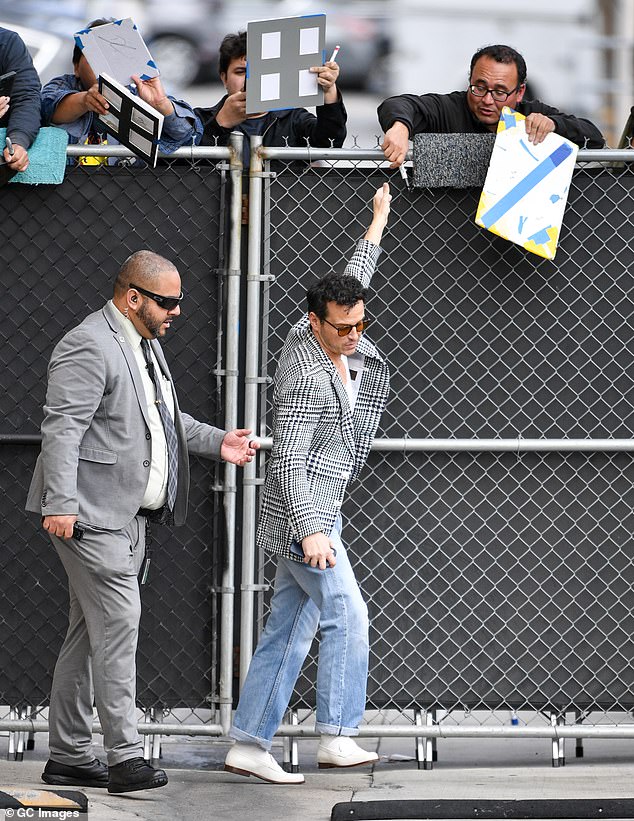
(156, 490)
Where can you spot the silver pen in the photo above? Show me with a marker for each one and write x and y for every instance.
(403, 173)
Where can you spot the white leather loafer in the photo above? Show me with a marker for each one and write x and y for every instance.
(249, 759)
(342, 751)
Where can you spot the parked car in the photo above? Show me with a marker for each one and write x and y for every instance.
(183, 39)
(50, 49)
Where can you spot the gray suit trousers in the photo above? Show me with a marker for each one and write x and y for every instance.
(97, 662)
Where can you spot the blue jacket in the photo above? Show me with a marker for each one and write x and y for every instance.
(177, 127)
(22, 120)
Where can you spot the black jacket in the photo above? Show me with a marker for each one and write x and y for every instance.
(22, 120)
(450, 114)
(291, 127)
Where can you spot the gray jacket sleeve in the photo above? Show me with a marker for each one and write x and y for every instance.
(76, 385)
(202, 439)
(362, 264)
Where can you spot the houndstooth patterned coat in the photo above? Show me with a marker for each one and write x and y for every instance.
(319, 444)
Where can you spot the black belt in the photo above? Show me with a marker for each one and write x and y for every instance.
(162, 515)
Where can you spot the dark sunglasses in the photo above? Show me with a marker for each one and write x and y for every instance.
(166, 302)
(344, 330)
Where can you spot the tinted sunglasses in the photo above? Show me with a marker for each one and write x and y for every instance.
(344, 330)
(166, 302)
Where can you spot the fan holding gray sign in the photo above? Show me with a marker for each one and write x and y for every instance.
(284, 61)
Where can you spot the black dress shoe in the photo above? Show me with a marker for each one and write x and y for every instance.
(94, 774)
(135, 774)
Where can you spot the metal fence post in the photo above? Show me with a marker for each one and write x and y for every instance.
(251, 371)
(231, 422)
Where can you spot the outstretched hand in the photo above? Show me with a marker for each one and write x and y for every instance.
(380, 212)
(237, 448)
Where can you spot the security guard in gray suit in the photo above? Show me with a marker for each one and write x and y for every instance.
(111, 460)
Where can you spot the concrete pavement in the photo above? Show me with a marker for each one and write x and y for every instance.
(200, 790)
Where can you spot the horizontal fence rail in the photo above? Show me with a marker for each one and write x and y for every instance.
(494, 445)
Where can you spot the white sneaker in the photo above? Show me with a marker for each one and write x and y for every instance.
(249, 759)
(342, 751)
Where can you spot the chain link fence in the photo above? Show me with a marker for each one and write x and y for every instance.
(491, 530)
(62, 248)
(492, 525)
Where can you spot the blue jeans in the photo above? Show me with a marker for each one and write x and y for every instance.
(306, 598)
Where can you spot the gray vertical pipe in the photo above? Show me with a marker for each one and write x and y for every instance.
(231, 421)
(251, 374)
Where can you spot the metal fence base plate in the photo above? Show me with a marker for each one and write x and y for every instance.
(539, 808)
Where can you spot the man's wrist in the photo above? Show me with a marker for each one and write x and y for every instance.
(404, 125)
(164, 106)
(220, 123)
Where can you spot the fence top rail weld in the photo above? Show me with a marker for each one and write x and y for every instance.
(187, 153)
(603, 155)
(488, 445)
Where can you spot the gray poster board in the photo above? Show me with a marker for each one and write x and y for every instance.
(280, 53)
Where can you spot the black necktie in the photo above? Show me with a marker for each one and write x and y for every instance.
(168, 427)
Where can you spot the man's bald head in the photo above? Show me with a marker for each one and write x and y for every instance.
(143, 268)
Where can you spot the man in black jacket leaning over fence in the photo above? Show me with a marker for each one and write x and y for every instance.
(20, 111)
(497, 77)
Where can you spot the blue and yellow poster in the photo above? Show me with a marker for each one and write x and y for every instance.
(526, 188)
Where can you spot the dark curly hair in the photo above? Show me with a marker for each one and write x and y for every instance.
(340, 288)
(233, 47)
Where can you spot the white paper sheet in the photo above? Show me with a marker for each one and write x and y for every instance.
(271, 45)
(309, 41)
(270, 87)
(117, 49)
(307, 83)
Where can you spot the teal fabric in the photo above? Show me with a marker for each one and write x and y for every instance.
(47, 158)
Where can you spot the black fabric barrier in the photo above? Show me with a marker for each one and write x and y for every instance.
(492, 580)
(62, 246)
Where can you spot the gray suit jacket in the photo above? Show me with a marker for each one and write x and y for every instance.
(96, 443)
(319, 444)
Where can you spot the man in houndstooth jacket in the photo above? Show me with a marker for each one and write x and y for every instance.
(331, 387)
